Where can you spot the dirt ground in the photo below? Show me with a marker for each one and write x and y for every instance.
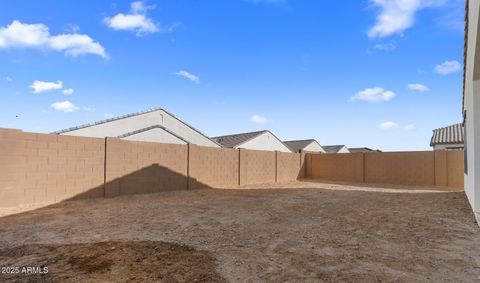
(300, 231)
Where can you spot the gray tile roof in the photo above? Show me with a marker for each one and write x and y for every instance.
(332, 148)
(447, 135)
(236, 139)
(297, 145)
(362, 149)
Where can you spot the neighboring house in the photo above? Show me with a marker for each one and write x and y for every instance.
(310, 145)
(448, 138)
(155, 125)
(261, 140)
(362, 149)
(335, 148)
(471, 103)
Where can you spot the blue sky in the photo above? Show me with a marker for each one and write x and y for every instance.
(379, 73)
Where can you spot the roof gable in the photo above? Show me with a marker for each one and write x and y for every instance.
(297, 145)
(237, 139)
(101, 122)
(151, 128)
(333, 148)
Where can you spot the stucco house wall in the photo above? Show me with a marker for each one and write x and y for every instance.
(265, 141)
(344, 150)
(471, 107)
(155, 135)
(314, 147)
(120, 126)
(451, 146)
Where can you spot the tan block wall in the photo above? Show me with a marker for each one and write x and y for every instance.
(41, 168)
(455, 165)
(288, 166)
(257, 167)
(403, 168)
(213, 167)
(44, 169)
(337, 167)
(144, 167)
(441, 169)
(303, 166)
(419, 168)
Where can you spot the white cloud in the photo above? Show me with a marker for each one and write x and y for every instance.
(373, 95)
(397, 15)
(257, 119)
(68, 91)
(409, 127)
(7, 78)
(89, 109)
(136, 21)
(188, 75)
(448, 67)
(65, 106)
(19, 35)
(385, 46)
(388, 125)
(107, 115)
(71, 28)
(418, 87)
(41, 86)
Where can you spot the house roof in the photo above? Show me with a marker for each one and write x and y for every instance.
(237, 139)
(151, 128)
(332, 148)
(128, 116)
(298, 144)
(447, 135)
(362, 149)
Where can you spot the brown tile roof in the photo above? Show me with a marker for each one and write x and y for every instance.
(447, 135)
(236, 139)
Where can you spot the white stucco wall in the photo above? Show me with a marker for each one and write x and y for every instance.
(265, 141)
(472, 108)
(314, 147)
(447, 146)
(155, 135)
(344, 150)
(126, 125)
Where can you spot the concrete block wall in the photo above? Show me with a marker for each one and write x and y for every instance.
(455, 163)
(134, 167)
(44, 169)
(337, 167)
(427, 168)
(213, 167)
(257, 167)
(403, 168)
(288, 167)
(38, 168)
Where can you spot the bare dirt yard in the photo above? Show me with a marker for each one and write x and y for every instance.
(297, 232)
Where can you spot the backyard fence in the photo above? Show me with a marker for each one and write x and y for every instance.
(42, 168)
(419, 168)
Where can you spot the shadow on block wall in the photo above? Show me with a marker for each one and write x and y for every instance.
(150, 179)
